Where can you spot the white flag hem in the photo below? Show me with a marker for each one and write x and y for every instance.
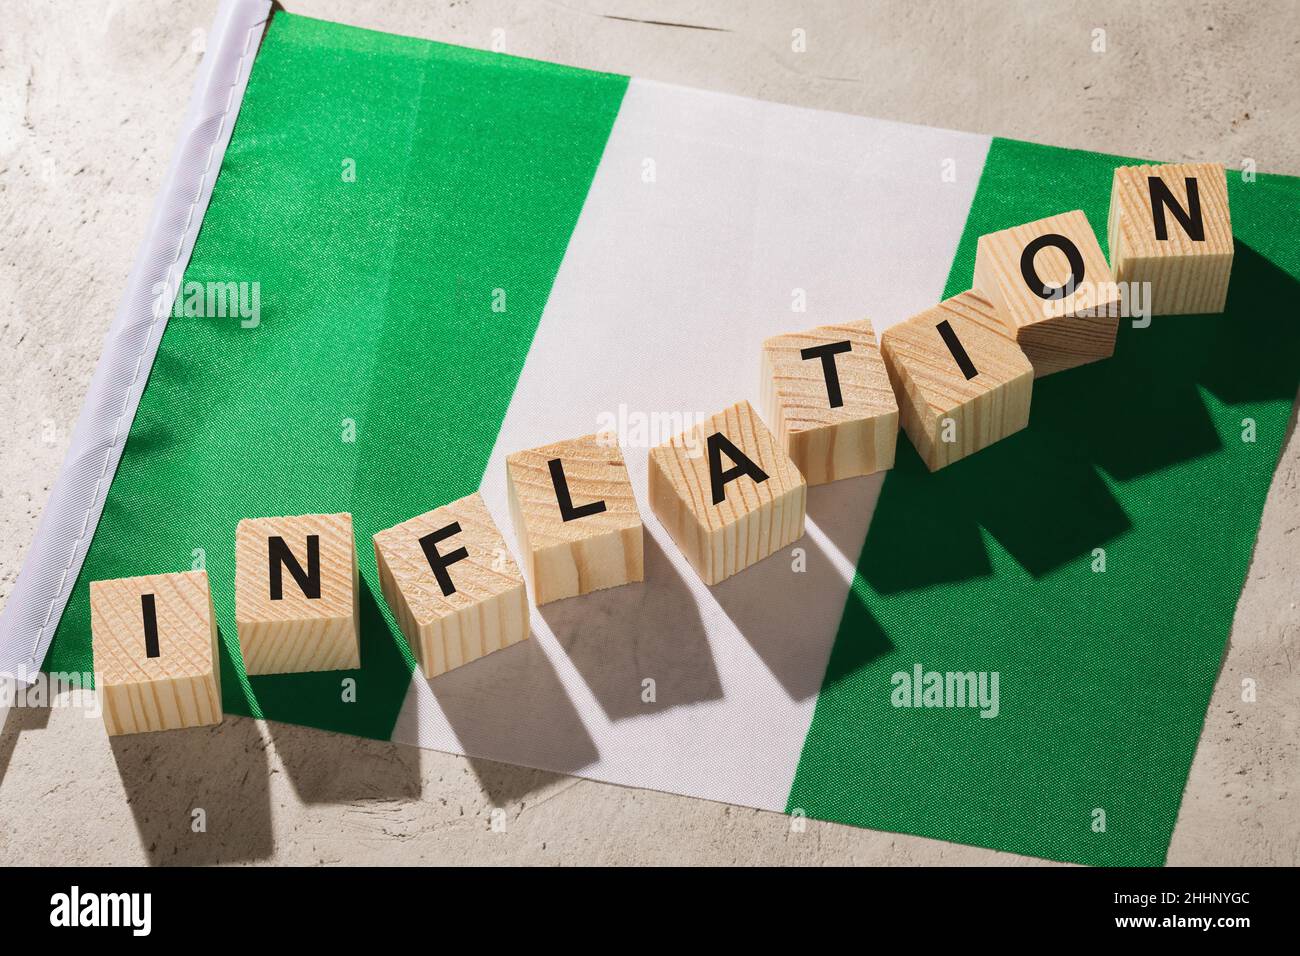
(76, 502)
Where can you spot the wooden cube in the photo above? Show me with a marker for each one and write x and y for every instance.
(1169, 226)
(962, 383)
(575, 517)
(728, 494)
(453, 586)
(1052, 287)
(296, 594)
(155, 645)
(827, 396)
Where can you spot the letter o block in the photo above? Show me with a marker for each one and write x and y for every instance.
(828, 398)
(455, 590)
(1169, 226)
(296, 594)
(155, 645)
(575, 517)
(1053, 289)
(962, 384)
(727, 493)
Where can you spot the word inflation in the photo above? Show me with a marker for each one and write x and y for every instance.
(729, 489)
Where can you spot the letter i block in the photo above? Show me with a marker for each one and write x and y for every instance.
(1169, 226)
(575, 517)
(296, 594)
(155, 645)
(827, 395)
(1052, 287)
(961, 381)
(728, 494)
(455, 590)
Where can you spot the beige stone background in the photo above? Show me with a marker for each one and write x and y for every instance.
(91, 95)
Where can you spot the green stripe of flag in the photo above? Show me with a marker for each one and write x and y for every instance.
(988, 565)
(377, 308)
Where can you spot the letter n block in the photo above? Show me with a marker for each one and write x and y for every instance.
(296, 594)
(455, 590)
(962, 383)
(728, 494)
(827, 395)
(1169, 226)
(575, 517)
(1052, 287)
(155, 645)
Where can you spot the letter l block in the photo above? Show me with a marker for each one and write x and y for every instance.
(575, 517)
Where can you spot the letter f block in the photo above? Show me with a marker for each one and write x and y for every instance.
(455, 590)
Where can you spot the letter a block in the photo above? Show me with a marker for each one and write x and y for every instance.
(455, 590)
(575, 517)
(961, 382)
(155, 647)
(728, 494)
(1052, 287)
(1169, 226)
(827, 395)
(296, 594)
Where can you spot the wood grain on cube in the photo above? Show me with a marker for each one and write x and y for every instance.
(1051, 285)
(155, 645)
(577, 522)
(827, 396)
(946, 412)
(299, 626)
(458, 545)
(754, 517)
(1188, 264)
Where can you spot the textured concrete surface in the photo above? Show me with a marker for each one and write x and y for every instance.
(90, 99)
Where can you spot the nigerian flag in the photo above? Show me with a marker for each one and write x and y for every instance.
(432, 257)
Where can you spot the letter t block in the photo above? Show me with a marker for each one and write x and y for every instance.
(827, 396)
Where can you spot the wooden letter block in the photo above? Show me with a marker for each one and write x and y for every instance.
(1169, 226)
(727, 493)
(455, 590)
(296, 594)
(155, 647)
(962, 383)
(1052, 287)
(827, 395)
(575, 517)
